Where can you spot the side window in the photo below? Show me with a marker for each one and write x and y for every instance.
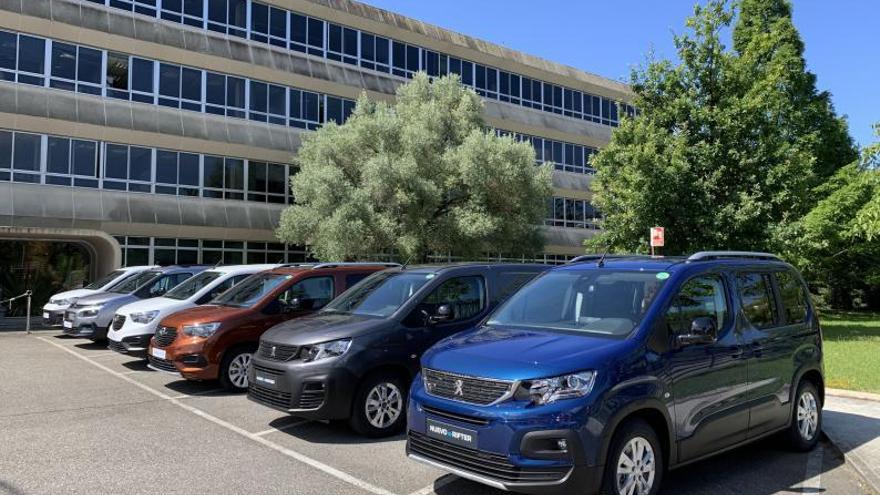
(354, 278)
(313, 293)
(756, 298)
(510, 282)
(697, 298)
(794, 298)
(166, 283)
(466, 296)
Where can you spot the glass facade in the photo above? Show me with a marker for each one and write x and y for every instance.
(85, 163)
(263, 23)
(169, 251)
(572, 213)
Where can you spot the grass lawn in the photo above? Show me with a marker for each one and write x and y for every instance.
(852, 350)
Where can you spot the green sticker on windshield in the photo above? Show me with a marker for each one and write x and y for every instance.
(662, 276)
(430, 275)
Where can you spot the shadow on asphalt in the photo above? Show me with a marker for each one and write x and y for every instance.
(858, 429)
(210, 388)
(92, 346)
(333, 432)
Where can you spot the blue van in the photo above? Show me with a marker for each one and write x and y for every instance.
(600, 375)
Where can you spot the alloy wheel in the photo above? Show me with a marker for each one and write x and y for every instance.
(636, 468)
(238, 369)
(807, 415)
(384, 405)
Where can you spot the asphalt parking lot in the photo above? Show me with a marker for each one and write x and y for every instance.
(78, 418)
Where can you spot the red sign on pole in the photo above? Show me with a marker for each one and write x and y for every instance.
(657, 236)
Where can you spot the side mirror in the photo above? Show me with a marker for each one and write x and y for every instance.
(444, 313)
(160, 291)
(295, 304)
(703, 331)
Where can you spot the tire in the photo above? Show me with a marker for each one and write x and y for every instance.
(629, 438)
(379, 408)
(806, 418)
(234, 369)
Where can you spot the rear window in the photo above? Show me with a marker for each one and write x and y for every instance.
(106, 279)
(756, 297)
(794, 297)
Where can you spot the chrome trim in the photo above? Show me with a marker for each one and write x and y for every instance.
(485, 480)
(709, 255)
(177, 373)
(511, 390)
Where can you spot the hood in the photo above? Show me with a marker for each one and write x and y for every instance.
(518, 354)
(157, 303)
(323, 327)
(101, 298)
(74, 294)
(204, 314)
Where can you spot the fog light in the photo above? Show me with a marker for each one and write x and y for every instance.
(193, 359)
(562, 445)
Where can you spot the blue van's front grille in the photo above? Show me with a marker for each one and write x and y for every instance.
(486, 464)
(481, 391)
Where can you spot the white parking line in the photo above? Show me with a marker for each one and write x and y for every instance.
(283, 428)
(813, 478)
(436, 485)
(330, 470)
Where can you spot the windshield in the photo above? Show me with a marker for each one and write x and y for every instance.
(129, 285)
(252, 290)
(106, 279)
(379, 294)
(601, 301)
(193, 285)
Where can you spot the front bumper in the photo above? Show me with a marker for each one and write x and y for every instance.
(321, 391)
(77, 325)
(134, 345)
(514, 452)
(53, 317)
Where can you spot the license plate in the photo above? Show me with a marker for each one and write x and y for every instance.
(158, 353)
(67, 324)
(452, 434)
(265, 380)
(46, 316)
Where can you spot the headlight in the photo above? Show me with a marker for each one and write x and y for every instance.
(201, 330)
(325, 350)
(549, 390)
(145, 317)
(60, 302)
(92, 311)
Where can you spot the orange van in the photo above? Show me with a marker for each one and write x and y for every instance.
(217, 340)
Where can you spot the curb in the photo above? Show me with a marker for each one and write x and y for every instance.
(856, 463)
(850, 394)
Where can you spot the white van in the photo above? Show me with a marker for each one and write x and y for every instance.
(53, 311)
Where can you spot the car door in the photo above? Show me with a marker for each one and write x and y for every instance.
(709, 378)
(467, 298)
(771, 339)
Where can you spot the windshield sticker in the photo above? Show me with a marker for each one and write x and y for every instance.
(662, 276)
(430, 275)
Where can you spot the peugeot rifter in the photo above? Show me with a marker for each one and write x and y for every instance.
(135, 323)
(53, 311)
(355, 359)
(217, 340)
(602, 374)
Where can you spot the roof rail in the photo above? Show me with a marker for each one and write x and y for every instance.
(597, 257)
(355, 263)
(714, 255)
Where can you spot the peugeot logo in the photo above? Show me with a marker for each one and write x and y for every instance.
(162, 331)
(272, 353)
(458, 388)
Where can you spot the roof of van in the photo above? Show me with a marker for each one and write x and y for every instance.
(242, 268)
(434, 268)
(673, 263)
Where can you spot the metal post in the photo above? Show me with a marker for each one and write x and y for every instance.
(28, 321)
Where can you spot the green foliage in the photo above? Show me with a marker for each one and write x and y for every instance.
(729, 143)
(423, 175)
(837, 244)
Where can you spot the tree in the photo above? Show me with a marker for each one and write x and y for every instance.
(420, 176)
(837, 245)
(728, 143)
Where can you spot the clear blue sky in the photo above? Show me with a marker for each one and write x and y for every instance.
(609, 37)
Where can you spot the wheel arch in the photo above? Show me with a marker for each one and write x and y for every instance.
(655, 414)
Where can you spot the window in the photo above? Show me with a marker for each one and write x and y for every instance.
(228, 17)
(306, 34)
(225, 95)
(374, 52)
(76, 68)
(466, 296)
(175, 169)
(145, 7)
(305, 109)
(404, 59)
(128, 168)
(265, 252)
(22, 58)
(71, 157)
(26, 157)
(510, 282)
(227, 252)
(268, 103)
(338, 109)
(313, 293)
(268, 24)
(794, 298)
(224, 177)
(354, 278)
(180, 87)
(189, 12)
(757, 299)
(175, 251)
(574, 213)
(135, 251)
(266, 182)
(698, 298)
(342, 44)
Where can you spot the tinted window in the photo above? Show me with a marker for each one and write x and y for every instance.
(132, 283)
(794, 298)
(601, 302)
(106, 279)
(510, 282)
(354, 278)
(190, 287)
(312, 293)
(698, 298)
(466, 296)
(252, 290)
(163, 285)
(757, 299)
(380, 294)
